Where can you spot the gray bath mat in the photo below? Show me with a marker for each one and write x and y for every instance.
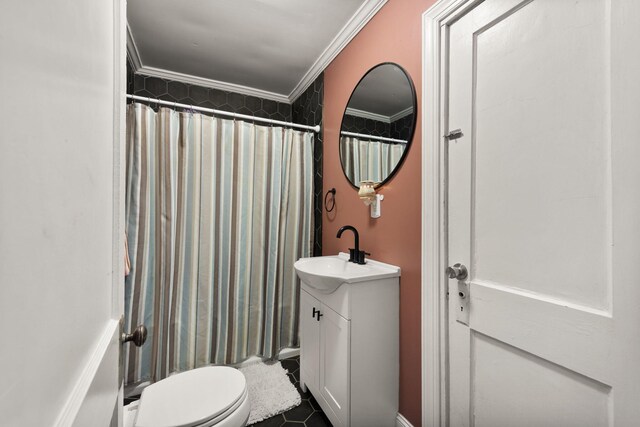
(270, 390)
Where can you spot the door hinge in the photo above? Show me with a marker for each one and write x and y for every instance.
(454, 134)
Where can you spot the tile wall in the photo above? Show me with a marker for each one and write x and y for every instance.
(307, 110)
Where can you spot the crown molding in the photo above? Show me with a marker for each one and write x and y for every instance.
(139, 68)
(401, 114)
(367, 115)
(359, 19)
(215, 84)
(378, 117)
(132, 51)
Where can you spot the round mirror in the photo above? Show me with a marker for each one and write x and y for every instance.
(378, 125)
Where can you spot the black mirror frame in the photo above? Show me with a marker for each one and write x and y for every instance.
(411, 133)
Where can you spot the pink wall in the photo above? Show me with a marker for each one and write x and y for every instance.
(393, 35)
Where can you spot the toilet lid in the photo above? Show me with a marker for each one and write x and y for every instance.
(190, 398)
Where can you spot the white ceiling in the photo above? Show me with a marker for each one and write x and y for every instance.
(269, 48)
(385, 91)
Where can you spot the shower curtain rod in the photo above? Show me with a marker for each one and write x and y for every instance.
(381, 138)
(223, 113)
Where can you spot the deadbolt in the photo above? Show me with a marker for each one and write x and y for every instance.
(458, 271)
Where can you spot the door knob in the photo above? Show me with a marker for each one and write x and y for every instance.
(139, 336)
(458, 271)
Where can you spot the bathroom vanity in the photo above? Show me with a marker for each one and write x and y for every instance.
(349, 330)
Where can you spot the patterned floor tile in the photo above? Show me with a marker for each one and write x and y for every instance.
(307, 414)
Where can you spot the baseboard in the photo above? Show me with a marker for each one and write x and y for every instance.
(285, 353)
(402, 421)
(288, 352)
(135, 389)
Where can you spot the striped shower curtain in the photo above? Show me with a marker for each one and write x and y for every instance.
(217, 213)
(368, 160)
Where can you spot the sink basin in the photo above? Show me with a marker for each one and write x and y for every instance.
(327, 273)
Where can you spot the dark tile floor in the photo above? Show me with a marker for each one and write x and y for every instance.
(307, 414)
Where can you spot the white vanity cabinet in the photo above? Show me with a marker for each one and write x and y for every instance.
(349, 351)
(324, 355)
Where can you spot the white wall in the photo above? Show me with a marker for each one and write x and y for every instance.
(56, 199)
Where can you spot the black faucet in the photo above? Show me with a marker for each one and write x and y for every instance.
(355, 254)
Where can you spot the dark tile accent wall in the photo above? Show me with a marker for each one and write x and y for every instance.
(401, 128)
(185, 93)
(366, 126)
(307, 110)
(130, 78)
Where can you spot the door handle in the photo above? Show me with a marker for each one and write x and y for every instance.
(457, 271)
(138, 337)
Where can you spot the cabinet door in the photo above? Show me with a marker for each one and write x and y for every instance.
(334, 363)
(309, 340)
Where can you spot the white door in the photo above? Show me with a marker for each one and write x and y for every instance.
(544, 211)
(61, 93)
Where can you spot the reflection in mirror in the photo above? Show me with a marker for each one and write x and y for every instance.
(378, 125)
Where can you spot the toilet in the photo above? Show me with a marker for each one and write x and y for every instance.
(203, 397)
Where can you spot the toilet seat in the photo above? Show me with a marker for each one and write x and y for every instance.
(200, 397)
